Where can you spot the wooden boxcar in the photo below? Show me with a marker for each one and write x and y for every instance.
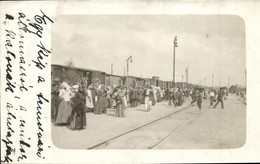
(71, 75)
(114, 80)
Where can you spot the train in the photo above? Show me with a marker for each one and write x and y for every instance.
(71, 75)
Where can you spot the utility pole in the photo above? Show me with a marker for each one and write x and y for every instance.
(174, 46)
(187, 76)
(182, 81)
(245, 78)
(112, 69)
(228, 82)
(212, 80)
(127, 69)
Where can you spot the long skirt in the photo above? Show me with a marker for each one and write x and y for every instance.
(54, 107)
(89, 102)
(125, 101)
(101, 106)
(180, 101)
(78, 119)
(148, 103)
(170, 103)
(64, 112)
(159, 99)
(120, 111)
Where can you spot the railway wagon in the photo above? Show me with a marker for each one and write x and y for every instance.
(160, 84)
(133, 81)
(71, 75)
(114, 80)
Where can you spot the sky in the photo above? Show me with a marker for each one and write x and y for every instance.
(207, 44)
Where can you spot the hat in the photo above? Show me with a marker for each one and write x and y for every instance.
(75, 86)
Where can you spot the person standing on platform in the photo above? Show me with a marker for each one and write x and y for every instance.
(89, 99)
(120, 105)
(136, 97)
(170, 97)
(154, 95)
(140, 95)
(193, 96)
(54, 102)
(167, 94)
(180, 97)
(211, 97)
(220, 98)
(94, 92)
(199, 99)
(175, 97)
(78, 114)
(102, 101)
(148, 102)
(125, 96)
(64, 110)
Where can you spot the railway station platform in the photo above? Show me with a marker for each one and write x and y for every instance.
(209, 129)
(102, 127)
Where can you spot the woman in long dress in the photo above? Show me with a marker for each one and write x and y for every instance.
(120, 105)
(64, 110)
(78, 114)
(170, 97)
(54, 102)
(102, 101)
(89, 99)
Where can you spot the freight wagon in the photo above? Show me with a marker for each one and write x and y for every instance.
(71, 75)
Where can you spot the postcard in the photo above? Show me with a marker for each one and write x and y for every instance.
(129, 82)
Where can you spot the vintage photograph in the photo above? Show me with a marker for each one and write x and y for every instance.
(148, 82)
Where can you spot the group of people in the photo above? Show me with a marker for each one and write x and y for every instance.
(71, 102)
(214, 95)
(68, 105)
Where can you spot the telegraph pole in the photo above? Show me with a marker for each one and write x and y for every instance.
(245, 78)
(212, 80)
(182, 81)
(187, 76)
(174, 46)
(112, 69)
(127, 69)
(228, 82)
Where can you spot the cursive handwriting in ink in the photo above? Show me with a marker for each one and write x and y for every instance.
(23, 143)
(10, 35)
(10, 17)
(21, 52)
(41, 100)
(35, 27)
(7, 141)
(43, 52)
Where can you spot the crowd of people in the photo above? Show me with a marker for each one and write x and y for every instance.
(70, 103)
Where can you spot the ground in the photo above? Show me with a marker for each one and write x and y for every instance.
(209, 129)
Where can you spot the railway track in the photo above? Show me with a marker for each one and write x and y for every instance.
(187, 116)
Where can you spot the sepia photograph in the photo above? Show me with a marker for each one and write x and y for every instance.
(148, 82)
(129, 81)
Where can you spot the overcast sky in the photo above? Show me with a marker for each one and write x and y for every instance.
(206, 44)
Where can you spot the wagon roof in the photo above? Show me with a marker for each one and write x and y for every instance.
(84, 69)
